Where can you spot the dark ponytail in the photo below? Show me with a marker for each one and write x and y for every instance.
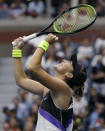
(79, 77)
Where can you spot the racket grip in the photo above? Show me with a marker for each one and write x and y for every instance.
(27, 38)
(13, 43)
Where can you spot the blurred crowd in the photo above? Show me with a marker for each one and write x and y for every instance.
(89, 110)
(98, 4)
(34, 8)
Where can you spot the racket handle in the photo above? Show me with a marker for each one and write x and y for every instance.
(27, 38)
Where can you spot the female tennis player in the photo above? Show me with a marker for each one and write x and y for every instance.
(56, 109)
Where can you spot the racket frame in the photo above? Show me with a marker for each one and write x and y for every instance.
(34, 35)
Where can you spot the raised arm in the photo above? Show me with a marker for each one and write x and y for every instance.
(20, 76)
(53, 83)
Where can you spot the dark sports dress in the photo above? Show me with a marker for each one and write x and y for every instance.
(51, 118)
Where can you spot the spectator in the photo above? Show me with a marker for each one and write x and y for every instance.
(30, 98)
(35, 108)
(6, 112)
(35, 117)
(99, 43)
(86, 119)
(90, 2)
(14, 115)
(59, 6)
(15, 102)
(36, 8)
(100, 8)
(22, 95)
(72, 48)
(6, 126)
(98, 4)
(101, 2)
(55, 5)
(38, 100)
(22, 111)
(3, 5)
(65, 4)
(57, 46)
(79, 106)
(9, 2)
(60, 56)
(13, 125)
(98, 72)
(85, 52)
(50, 62)
(69, 47)
(65, 47)
(28, 126)
(96, 120)
(93, 99)
(17, 9)
(3, 10)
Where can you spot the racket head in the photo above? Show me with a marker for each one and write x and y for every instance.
(75, 19)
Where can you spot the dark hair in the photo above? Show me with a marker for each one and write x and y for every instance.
(5, 109)
(79, 77)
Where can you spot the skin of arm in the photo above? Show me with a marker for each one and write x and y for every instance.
(60, 91)
(53, 83)
(21, 78)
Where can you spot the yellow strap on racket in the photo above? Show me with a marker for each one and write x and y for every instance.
(44, 45)
(16, 53)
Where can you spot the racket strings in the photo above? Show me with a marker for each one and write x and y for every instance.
(83, 18)
(75, 19)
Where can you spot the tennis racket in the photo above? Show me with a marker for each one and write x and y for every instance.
(70, 21)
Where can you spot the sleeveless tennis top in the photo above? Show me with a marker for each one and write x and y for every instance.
(51, 118)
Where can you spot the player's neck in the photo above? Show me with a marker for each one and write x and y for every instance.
(58, 75)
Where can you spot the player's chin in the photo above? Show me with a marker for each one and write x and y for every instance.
(56, 67)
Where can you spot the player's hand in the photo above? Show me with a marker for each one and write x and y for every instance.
(51, 38)
(19, 43)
